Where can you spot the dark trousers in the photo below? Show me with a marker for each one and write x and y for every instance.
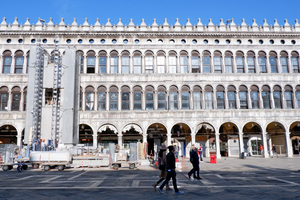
(171, 174)
(195, 169)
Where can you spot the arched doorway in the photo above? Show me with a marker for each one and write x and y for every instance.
(107, 134)
(8, 134)
(252, 138)
(205, 135)
(85, 135)
(276, 132)
(132, 133)
(181, 136)
(295, 137)
(156, 135)
(229, 139)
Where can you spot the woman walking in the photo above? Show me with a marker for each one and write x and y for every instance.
(162, 166)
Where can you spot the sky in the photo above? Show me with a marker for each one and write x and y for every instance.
(150, 9)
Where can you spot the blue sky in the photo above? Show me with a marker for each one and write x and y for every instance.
(150, 9)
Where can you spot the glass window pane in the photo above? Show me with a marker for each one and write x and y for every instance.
(160, 60)
(250, 60)
(137, 61)
(195, 61)
(7, 61)
(102, 60)
(183, 61)
(231, 96)
(283, 61)
(228, 61)
(272, 61)
(19, 60)
(91, 61)
(217, 60)
(125, 60)
(239, 61)
(206, 60)
(261, 60)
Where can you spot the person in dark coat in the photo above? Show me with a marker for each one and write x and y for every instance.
(171, 173)
(194, 158)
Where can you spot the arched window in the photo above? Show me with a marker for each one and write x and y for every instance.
(173, 98)
(283, 62)
(220, 97)
(102, 62)
(243, 97)
(254, 97)
(6, 62)
(90, 62)
(172, 62)
(266, 97)
(262, 62)
(161, 63)
(183, 62)
(195, 62)
(80, 98)
(113, 98)
(19, 62)
(148, 62)
(218, 62)
(28, 57)
(16, 97)
(197, 97)
(3, 98)
(228, 62)
(80, 54)
(161, 98)
(101, 98)
(240, 62)
(277, 97)
(185, 98)
(89, 98)
(298, 95)
(137, 98)
(114, 62)
(208, 97)
(231, 97)
(25, 99)
(250, 62)
(125, 62)
(294, 61)
(125, 98)
(273, 62)
(149, 98)
(137, 62)
(288, 95)
(206, 62)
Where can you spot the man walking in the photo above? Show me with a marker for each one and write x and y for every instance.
(171, 173)
(194, 158)
(274, 151)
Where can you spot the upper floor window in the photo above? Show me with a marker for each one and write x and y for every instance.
(250, 62)
(288, 96)
(91, 62)
(266, 97)
(294, 61)
(137, 63)
(125, 62)
(148, 62)
(277, 97)
(19, 62)
(161, 98)
(283, 62)
(90, 98)
(197, 97)
(183, 62)
(113, 62)
(137, 97)
(172, 62)
(220, 97)
(16, 97)
(101, 98)
(3, 99)
(217, 62)
(80, 54)
(6, 62)
(297, 93)
(239, 62)
(195, 62)
(113, 98)
(149, 98)
(161, 62)
(102, 62)
(185, 98)
(206, 62)
(243, 97)
(25, 99)
(273, 62)
(208, 97)
(173, 98)
(254, 97)
(231, 97)
(228, 62)
(262, 62)
(125, 98)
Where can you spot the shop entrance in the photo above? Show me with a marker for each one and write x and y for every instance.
(180, 137)
(295, 137)
(229, 140)
(8, 134)
(156, 135)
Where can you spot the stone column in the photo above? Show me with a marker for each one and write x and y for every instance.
(19, 138)
(169, 137)
(131, 64)
(189, 63)
(13, 62)
(241, 141)
(120, 140)
(21, 103)
(119, 64)
(191, 100)
(119, 106)
(143, 64)
(272, 99)
(249, 101)
(289, 147)
(25, 63)
(167, 71)
(84, 64)
(226, 106)
(217, 139)
(283, 105)
(108, 65)
(96, 100)
(234, 66)
(238, 106)
(154, 64)
(131, 99)
(261, 103)
(97, 64)
(245, 65)
(83, 99)
(264, 138)
(179, 100)
(268, 65)
(295, 101)
(290, 66)
(207, 153)
(193, 138)
(95, 139)
(1, 64)
(257, 68)
(143, 96)
(9, 100)
(215, 99)
(107, 100)
(270, 145)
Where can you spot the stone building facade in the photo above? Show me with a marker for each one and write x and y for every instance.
(228, 87)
